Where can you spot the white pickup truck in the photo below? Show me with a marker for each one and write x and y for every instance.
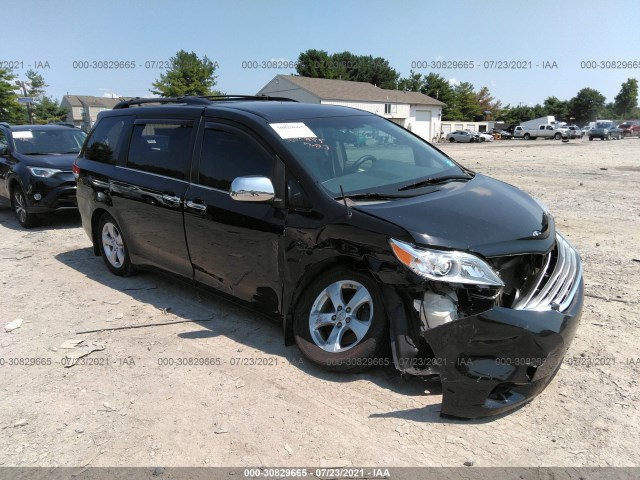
(543, 131)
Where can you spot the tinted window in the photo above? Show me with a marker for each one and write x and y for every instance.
(226, 155)
(106, 140)
(161, 148)
(3, 139)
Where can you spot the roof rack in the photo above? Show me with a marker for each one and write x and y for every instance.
(5, 124)
(200, 100)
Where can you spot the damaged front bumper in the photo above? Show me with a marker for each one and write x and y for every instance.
(497, 360)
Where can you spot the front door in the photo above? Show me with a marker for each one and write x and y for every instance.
(234, 245)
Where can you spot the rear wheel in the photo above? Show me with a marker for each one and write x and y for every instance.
(113, 246)
(19, 205)
(340, 323)
(527, 136)
(452, 140)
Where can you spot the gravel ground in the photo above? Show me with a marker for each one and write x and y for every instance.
(243, 398)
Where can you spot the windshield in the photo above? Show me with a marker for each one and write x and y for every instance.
(364, 154)
(48, 141)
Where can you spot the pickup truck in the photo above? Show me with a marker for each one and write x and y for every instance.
(543, 131)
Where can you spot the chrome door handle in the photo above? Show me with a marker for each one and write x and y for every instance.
(201, 207)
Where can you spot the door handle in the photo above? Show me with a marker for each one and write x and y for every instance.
(171, 199)
(201, 207)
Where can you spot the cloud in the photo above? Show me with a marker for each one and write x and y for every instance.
(454, 81)
(110, 95)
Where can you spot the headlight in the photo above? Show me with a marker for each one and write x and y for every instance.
(43, 172)
(445, 266)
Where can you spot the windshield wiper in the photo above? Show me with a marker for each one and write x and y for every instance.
(370, 196)
(435, 181)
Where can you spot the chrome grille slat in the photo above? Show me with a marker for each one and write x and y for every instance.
(562, 283)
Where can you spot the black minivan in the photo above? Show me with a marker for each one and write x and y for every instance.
(355, 233)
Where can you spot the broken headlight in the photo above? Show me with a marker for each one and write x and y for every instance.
(446, 266)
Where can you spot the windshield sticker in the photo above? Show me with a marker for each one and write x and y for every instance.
(292, 130)
(25, 134)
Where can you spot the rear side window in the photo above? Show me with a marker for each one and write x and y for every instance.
(161, 148)
(106, 140)
(227, 155)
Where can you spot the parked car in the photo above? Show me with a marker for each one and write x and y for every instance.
(504, 134)
(35, 169)
(541, 131)
(354, 249)
(586, 129)
(482, 136)
(605, 131)
(461, 136)
(574, 131)
(630, 129)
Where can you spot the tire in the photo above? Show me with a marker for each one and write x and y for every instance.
(482, 139)
(590, 138)
(557, 136)
(452, 140)
(607, 137)
(335, 345)
(19, 206)
(113, 247)
(527, 136)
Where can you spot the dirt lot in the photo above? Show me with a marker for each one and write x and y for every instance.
(249, 400)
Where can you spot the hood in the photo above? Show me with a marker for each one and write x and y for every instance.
(62, 162)
(482, 215)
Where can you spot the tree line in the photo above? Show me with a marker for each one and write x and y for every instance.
(189, 74)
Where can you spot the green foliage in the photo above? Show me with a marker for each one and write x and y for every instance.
(488, 103)
(558, 108)
(10, 110)
(347, 66)
(48, 110)
(625, 103)
(188, 75)
(35, 84)
(586, 105)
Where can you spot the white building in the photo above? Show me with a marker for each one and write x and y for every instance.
(413, 110)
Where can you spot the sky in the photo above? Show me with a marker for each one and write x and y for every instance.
(552, 39)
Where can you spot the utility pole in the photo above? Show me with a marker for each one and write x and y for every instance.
(23, 85)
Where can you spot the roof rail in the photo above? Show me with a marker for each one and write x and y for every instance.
(5, 124)
(200, 100)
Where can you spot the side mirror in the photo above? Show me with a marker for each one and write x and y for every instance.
(252, 189)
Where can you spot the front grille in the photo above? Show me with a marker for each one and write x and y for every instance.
(556, 284)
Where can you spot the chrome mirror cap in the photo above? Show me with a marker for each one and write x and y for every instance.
(252, 189)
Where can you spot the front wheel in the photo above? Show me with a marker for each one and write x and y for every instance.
(113, 247)
(557, 136)
(527, 136)
(19, 205)
(452, 140)
(340, 323)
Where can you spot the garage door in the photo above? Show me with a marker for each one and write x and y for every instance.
(423, 124)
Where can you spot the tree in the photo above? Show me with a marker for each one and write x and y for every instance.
(436, 86)
(35, 84)
(347, 66)
(488, 103)
(10, 109)
(413, 83)
(188, 75)
(466, 102)
(48, 110)
(556, 107)
(586, 105)
(626, 101)
(315, 64)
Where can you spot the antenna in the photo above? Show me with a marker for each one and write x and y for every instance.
(346, 207)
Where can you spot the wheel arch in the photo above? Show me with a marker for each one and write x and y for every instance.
(95, 219)
(357, 264)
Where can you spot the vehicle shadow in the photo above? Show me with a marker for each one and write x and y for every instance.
(221, 317)
(61, 220)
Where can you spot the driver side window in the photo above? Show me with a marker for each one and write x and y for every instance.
(227, 155)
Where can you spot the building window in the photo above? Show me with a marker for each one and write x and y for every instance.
(81, 110)
(387, 108)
